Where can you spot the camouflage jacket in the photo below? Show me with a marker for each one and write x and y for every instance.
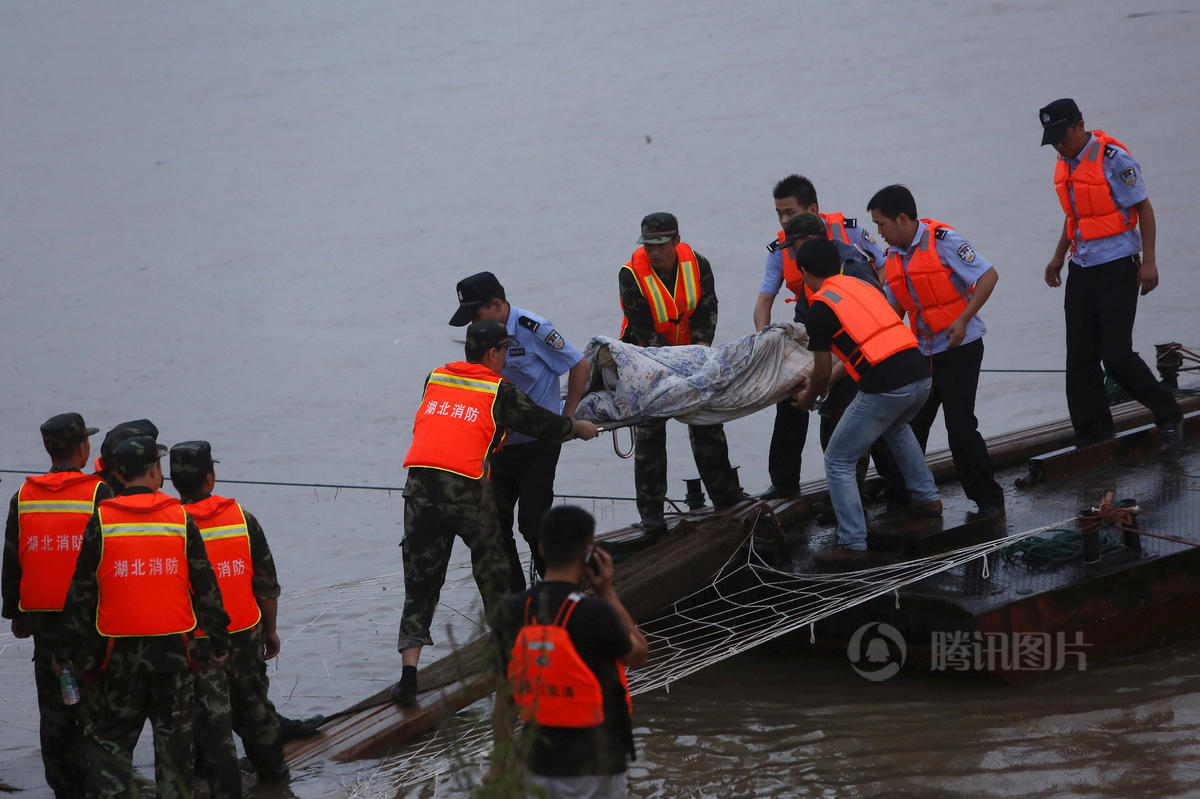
(85, 647)
(637, 309)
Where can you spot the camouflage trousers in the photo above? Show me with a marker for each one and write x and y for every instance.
(710, 451)
(60, 728)
(116, 709)
(234, 700)
(430, 526)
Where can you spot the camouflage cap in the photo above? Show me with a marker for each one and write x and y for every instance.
(137, 427)
(192, 458)
(801, 226)
(483, 336)
(658, 228)
(135, 455)
(65, 430)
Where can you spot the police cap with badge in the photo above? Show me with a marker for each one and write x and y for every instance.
(1057, 118)
(474, 292)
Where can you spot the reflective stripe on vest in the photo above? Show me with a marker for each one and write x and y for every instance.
(1094, 214)
(222, 525)
(52, 511)
(671, 311)
(143, 570)
(867, 319)
(550, 682)
(938, 301)
(454, 427)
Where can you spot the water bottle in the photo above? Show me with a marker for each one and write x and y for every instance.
(70, 688)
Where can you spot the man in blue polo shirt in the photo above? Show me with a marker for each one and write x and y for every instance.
(935, 276)
(523, 470)
(1110, 232)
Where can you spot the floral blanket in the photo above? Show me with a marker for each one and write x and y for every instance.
(694, 384)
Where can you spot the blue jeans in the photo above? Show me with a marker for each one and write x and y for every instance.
(869, 417)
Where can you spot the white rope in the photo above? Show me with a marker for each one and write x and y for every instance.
(728, 617)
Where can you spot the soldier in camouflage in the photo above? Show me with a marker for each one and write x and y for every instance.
(129, 679)
(234, 699)
(659, 239)
(104, 467)
(440, 503)
(66, 439)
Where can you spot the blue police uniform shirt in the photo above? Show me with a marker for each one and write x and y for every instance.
(1124, 176)
(966, 266)
(859, 238)
(535, 363)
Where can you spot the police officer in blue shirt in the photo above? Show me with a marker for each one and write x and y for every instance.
(522, 472)
(954, 283)
(1100, 188)
(795, 195)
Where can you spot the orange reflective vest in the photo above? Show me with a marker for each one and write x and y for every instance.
(1093, 215)
(551, 684)
(867, 319)
(938, 301)
(454, 427)
(222, 525)
(671, 311)
(143, 571)
(52, 510)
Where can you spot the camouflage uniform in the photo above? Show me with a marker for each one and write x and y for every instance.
(439, 505)
(145, 676)
(709, 447)
(60, 726)
(234, 699)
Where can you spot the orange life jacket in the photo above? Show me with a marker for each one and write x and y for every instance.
(671, 311)
(835, 227)
(867, 318)
(143, 571)
(938, 301)
(222, 525)
(1093, 215)
(52, 511)
(454, 427)
(551, 684)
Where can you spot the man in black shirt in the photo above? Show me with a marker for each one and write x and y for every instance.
(569, 689)
(875, 348)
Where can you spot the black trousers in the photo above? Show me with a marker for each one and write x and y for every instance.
(1100, 303)
(522, 476)
(955, 381)
(787, 445)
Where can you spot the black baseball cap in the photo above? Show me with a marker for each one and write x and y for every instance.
(658, 228)
(65, 430)
(1056, 118)
(474, 291)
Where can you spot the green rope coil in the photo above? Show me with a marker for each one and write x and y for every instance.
(1066, 545)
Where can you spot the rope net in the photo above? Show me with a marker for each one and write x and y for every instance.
(747, 604)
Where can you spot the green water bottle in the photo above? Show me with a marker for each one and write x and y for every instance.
(70, 688)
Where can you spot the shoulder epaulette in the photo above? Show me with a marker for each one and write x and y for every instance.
(940, 233)
(850, 222)
(1109, 151)
(528, 324)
